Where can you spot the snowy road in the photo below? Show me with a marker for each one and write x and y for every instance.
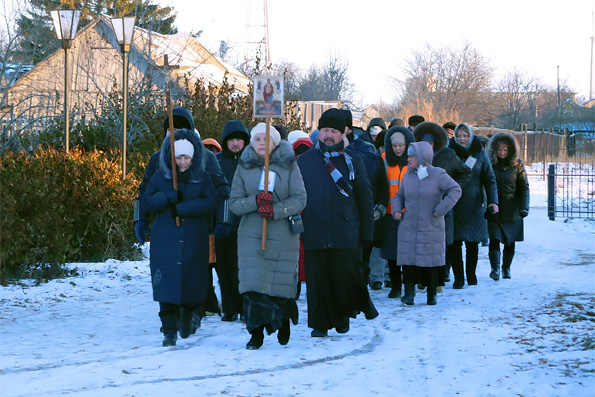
(533, 335)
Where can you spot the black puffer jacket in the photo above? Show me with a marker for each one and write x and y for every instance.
(511, 178)
(470, 224)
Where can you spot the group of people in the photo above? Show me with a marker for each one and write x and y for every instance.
(341, 208)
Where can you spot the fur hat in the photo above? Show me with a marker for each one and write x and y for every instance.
(415, 120)
(261, 128)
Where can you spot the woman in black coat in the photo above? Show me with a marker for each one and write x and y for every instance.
(513, 195)
(180, 254)
(470, 225)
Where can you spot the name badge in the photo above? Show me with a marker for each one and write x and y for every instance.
(422, 172)
(470, 162)
(272, 177)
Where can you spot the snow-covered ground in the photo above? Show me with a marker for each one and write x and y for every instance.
(98, 334)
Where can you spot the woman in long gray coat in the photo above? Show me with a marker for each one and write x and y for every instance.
(427, 193)
(513, 195)
(267, 279)
(470, 224)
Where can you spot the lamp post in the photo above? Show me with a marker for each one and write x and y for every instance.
(124, 29)
(66, 23)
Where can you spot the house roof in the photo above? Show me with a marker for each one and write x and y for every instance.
(194, 60)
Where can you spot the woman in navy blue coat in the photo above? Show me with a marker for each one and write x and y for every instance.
(180, 254)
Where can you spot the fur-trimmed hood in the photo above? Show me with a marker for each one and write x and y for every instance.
(196, 167)
(427, 127)
(513, 148)
(282, 155)
(391, 157)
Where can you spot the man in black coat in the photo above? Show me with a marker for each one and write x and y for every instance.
(374, 269)
(234, 138)
(338, 220)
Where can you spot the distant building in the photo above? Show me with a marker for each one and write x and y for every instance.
(96, 69)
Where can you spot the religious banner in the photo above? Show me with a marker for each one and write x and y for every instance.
(268, 96)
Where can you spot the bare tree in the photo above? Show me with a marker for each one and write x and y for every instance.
(450, 83)
(327, 83)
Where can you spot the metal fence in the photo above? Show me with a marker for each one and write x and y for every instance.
(571, 190)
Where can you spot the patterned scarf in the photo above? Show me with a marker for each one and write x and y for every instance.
(344, 186)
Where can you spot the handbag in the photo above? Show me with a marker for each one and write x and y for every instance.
(296, 225)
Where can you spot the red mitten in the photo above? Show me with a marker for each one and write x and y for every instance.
(266, 211)
(264, 198)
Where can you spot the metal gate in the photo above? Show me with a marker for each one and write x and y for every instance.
(571, 191)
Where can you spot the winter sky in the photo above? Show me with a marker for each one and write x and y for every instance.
(375, 36)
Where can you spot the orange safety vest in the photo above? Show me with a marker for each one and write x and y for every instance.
(394, 175)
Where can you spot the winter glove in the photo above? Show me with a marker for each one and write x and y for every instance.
(141, 228)
(523, 213)
(222, 230)
(174, 196)
(379, 211)
(266, 211)
(264, 198)
(489, 212)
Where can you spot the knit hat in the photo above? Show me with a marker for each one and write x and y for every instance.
(348, 118)
(415, 120)
(216, 147)
(184, 147)
(261, 128)
(332, 118)
(314, 136)
(397, 138)
(295, 135)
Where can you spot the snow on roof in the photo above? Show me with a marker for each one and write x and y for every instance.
(192, 58)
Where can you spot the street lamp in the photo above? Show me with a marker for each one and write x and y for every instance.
(124, 29)
(66, 23)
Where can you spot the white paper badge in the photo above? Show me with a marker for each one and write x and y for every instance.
(422, 172)
(272, 176)
(470, 162)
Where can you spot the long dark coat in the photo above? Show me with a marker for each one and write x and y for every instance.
(421, 234)
(180, 255)
(332, 220)
(513, 190)
(469, 220)
(273, 272)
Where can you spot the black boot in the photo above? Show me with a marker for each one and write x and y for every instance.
(431, 296)
(457, 266)
(257, 338)
(506, 261)
(170, 328)
(283, 333)
(495, 263)
(187, 326)
(409, 294)
(395, 280)
(471, 263)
